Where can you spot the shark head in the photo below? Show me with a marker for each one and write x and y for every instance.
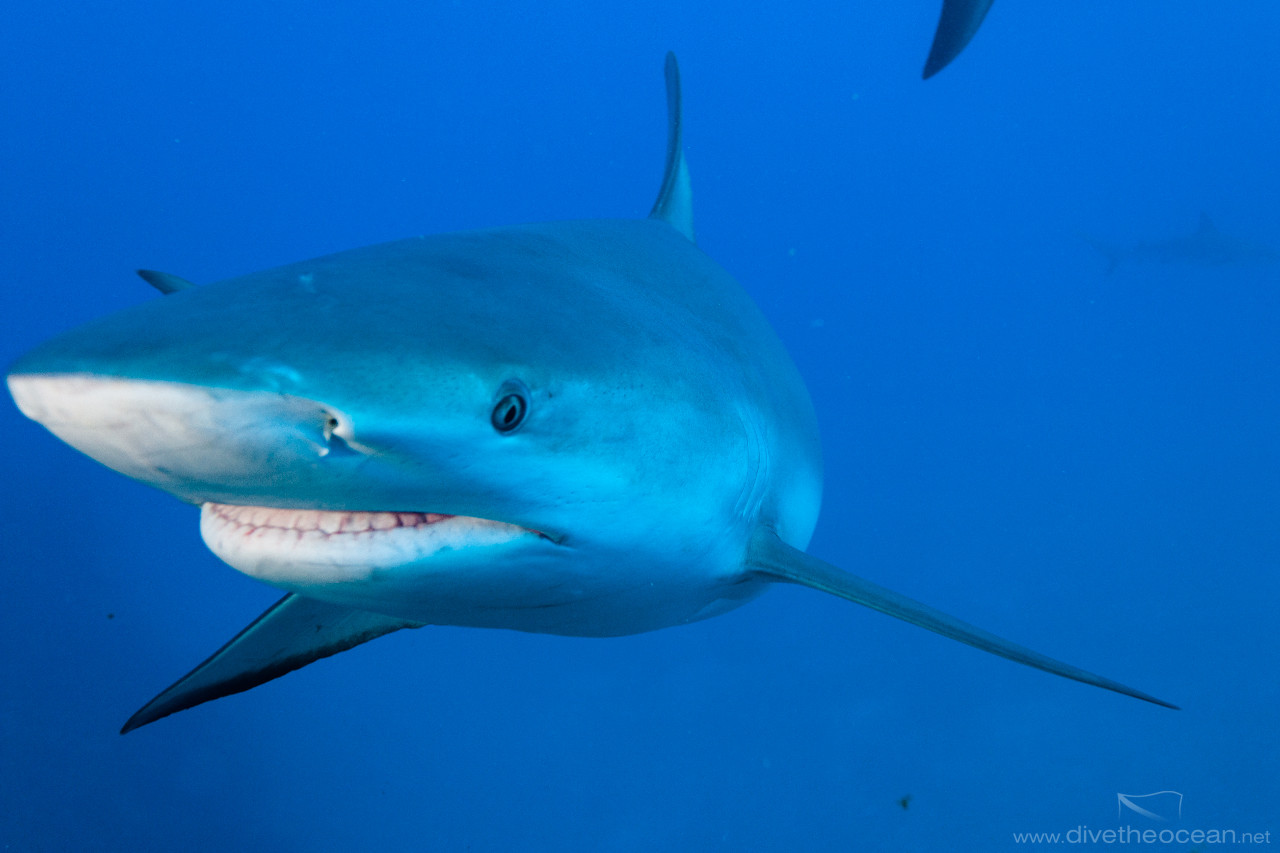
(443, 426)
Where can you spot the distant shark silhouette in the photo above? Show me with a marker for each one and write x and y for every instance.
(1207, 246)
(581, 428)
(959, 22)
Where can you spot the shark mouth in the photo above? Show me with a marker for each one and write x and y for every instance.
(311, 546)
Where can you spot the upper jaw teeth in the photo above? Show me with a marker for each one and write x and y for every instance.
(324, 521)
(298, 549)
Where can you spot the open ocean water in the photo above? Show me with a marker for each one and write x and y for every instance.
(1082, 461)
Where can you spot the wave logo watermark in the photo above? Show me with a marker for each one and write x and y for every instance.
(1162, 805)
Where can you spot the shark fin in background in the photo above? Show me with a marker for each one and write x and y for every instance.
(959, 22)
(164, 282)
(1111, 253)
(294, 632)
(774, 559)
(675, 199)
(1206, 225)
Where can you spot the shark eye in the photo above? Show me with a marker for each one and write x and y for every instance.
(511, 409)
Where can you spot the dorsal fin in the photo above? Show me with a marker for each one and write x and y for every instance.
(164, 282)
(1206, 225)
(675, 200)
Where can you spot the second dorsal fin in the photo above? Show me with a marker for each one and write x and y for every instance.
(675, 200)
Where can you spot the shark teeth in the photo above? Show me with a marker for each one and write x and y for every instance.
(289, 547)
(326, 521)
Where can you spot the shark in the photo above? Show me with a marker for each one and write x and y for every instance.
(1205, 247)
(957, 25)
(581, 428)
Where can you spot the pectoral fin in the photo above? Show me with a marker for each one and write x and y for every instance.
(165, 282)
(290, 635)
(771, 557)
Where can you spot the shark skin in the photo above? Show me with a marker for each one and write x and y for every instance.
(957, 25)
(1205, 247)
(580, 428)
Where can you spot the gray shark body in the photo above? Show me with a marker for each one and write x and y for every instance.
(1205, 247)
(581, 428)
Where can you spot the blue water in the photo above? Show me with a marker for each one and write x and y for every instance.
(1086, 463)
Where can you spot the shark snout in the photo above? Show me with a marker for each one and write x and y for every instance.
(197, 442)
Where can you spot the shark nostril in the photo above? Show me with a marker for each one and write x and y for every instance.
(337, 433)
